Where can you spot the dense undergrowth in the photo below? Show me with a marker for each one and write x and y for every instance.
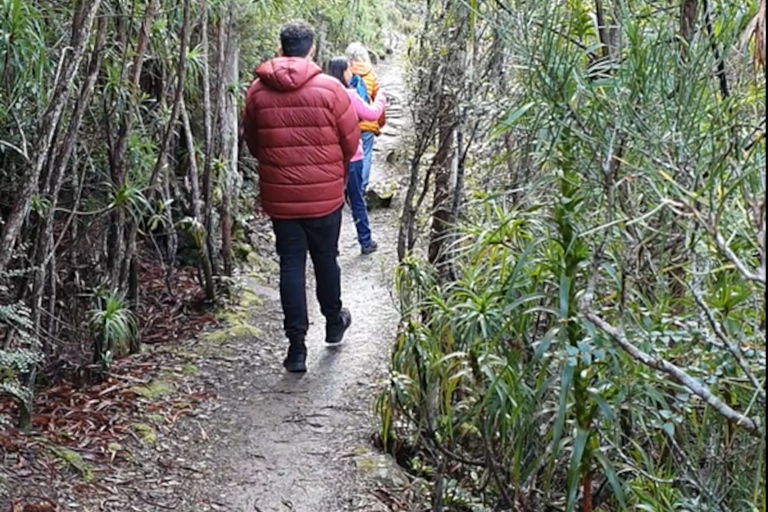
(119, 156)
(598, 341)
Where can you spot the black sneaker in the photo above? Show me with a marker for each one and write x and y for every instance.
(296, 360)
(372, 247)
(334, 334)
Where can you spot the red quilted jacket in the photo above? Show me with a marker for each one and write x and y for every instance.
(301, 127)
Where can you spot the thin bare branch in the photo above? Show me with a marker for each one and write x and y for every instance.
(749, 274)
(723, 337)
(677, 373)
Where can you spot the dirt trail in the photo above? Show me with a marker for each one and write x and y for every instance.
(281, 442)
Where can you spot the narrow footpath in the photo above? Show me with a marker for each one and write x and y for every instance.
(281, 442)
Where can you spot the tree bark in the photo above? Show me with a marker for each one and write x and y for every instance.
(178, 96)
(229, 130)
(208, 122)
(441, 200)
(161, 162)
(455, 72)
(688, 10)
(194, 177)
(81, 33)
(602, 30)
(58, 164)
(119, 148)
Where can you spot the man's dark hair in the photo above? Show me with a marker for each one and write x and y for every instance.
(296, 39)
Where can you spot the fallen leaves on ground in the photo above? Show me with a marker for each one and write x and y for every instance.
(45, 505)
(167, 317)
(82, 431)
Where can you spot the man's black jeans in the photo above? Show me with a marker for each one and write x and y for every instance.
(321, 238)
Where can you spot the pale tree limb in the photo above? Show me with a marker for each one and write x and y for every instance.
(735, 351)
(722, 245)
(677, 373)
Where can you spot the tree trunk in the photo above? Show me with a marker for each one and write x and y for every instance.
(172, 242)
(409, 211)
(134, 344)
(602, 30)
(58, 163)
(688, 11)
(161, 163)
(208, 122)
(82, 25)
(455, 70)
(441, 200)
(176, 107)
(228, 117)
(117, 239)
(194, 178)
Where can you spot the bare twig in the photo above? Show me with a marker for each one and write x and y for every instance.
(735, 352)
(722, 245)
(677, 373)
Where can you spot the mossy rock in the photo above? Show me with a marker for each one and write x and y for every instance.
(242, 250)
(376, 201)
(155, 389)
(396, 158)
(261, 265)
(254, 259)
(236, 331)
(237, 318)
(145, 432)
(74, 461)
(248, 299)
(382, 469)
(190, 370)
(156, 418)
(380, 195)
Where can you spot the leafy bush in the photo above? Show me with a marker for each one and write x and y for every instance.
(118, 125)
(20, 354)
(603, 341)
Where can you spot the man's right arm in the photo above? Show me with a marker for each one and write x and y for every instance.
(346, 123)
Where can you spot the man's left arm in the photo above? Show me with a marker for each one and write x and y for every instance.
(346, 123)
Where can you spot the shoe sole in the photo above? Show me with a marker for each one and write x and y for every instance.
(295, 369)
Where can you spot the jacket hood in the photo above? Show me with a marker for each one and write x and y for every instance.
(287, 73)
(361, 68)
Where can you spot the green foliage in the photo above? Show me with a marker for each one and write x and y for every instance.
(642, 205)
(20, 355)
(337, 23)
(25, 67)
(114, 325)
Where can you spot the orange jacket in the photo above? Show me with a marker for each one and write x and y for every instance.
(372, 85)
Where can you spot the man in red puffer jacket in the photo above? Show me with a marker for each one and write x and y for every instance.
(301, 127)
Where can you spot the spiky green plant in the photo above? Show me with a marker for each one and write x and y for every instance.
(114, 325)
